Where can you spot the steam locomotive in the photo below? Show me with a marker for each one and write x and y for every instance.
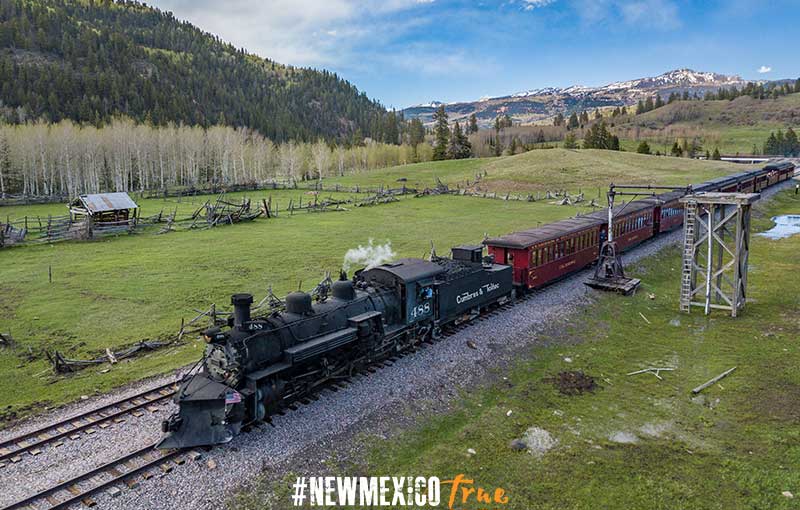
(254, 367)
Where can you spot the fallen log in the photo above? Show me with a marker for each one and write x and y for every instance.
(712, 381)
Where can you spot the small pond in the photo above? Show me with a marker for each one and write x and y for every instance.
(785, 226)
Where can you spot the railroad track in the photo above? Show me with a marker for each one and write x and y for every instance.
(141, 463)
(123, 469)
(82, 424)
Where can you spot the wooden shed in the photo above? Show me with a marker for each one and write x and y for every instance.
(104, 208)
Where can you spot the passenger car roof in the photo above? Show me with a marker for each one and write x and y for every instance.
(526, 238)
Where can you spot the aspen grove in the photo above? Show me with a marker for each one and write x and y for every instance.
(42, 159)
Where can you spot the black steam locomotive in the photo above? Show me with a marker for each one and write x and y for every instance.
(256, 366)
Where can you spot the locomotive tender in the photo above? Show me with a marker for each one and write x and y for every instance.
(256, 366)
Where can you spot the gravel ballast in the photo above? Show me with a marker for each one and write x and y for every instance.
(429, 379)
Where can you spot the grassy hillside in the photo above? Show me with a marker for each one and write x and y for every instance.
(636, 441)
(732, 126)
(91, 61)
(550, 169)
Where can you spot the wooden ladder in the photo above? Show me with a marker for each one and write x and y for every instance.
(689, 222)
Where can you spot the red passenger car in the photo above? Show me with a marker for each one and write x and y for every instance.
(633, 223)
(542, 255)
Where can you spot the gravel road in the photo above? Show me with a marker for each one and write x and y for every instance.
(379, 404)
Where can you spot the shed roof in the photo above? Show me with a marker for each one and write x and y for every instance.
(103, 202)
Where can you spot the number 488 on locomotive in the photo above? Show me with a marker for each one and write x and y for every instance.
(256, 366)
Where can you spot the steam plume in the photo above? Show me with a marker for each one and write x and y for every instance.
(369, 256)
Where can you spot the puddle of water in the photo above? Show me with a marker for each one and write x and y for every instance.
(785, 226)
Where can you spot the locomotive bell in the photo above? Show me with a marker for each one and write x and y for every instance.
(298, 303)
(241, 308)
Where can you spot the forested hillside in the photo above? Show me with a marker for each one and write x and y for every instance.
(89, 61)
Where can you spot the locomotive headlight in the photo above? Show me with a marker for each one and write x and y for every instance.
(214, 335)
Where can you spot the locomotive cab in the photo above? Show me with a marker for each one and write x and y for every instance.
(414, 280)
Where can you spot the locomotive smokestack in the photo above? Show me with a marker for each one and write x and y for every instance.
(241, 308)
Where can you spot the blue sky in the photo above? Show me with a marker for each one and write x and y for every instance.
(404, 52)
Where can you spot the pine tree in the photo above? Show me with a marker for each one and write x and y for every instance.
(558, 120)
(771, 145)
(792, 145)
(459, 147)
(498, 145)
(584, 118)
(570, 142)
(540, 137)
(676, 150)
(454, 149)
(716, 156)
(640, 107)
(659, 101)
(416, 135)
(573, 121)
(599, 137)
(648, 104)
(441, 134)
(643, 148)
(473, 123)
(465, 145)
(512, 147)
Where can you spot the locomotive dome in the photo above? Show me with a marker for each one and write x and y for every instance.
(298, 303)
(344, 290)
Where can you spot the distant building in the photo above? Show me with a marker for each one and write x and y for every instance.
(104, 208)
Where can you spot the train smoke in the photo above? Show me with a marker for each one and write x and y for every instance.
(368, 256)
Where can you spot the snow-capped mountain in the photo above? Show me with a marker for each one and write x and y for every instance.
(539, 104)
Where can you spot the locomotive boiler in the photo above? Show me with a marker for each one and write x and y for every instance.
(255, 366)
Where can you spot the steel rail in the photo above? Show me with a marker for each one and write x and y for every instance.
(79, 494)
(47, 434)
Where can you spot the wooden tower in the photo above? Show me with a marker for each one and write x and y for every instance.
(716, 249)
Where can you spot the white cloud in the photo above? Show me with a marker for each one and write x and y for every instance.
(435, 60)
(319, 33)
(534, 4)
(650, 14)
(764, 69)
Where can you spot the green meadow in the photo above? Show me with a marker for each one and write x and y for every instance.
(117, 291)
